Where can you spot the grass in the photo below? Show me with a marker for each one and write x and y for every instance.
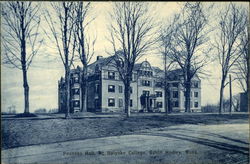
(22, 132)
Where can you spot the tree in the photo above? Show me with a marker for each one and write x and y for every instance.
(231, 24)
(165, 41)
(188, 44)
(236, 102)
(131, 32)
(62, 26)
(241, 69)
(85, 47)
(21, 22)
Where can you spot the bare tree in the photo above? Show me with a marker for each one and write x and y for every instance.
(131, 31)
(188, 44)
(62, 25)
(236, 103)
(231, 24)
(85, 46)
(241, 69)
(165, 41)
(20, 25)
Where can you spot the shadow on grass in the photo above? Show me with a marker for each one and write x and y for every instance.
(206, 142)
(23, 115)
(215, 135)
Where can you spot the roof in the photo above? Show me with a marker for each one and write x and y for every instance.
(137, 66)
(100, 62)
(171, 75)
(174, 74)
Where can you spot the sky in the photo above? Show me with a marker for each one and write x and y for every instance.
(47, 67)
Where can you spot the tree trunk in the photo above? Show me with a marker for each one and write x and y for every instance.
(248, 75)
(67, 84)
(24, 66)
(26, 92)
(165, 84)
(84, 90)
(221, 95)
(230, 91)
(127, 98)
(188, 84)
(166, 97)
(187, 97)
(165, 100)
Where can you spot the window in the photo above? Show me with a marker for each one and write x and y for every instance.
(146, 83)
(76, 79)
(131, 89)
(175, 94)
(111, 75)
(120, 102)
(175, 85)
(148, 73)
(196, 84)
(195, 94)
(159, 104)
(196, 104)
(176, 103)
(120, 63)
(131, 103)
(111, 102)
(76, 91)
(76, 103)
(158, 94)
(97, 87)
(120, 89)
(145, 92)
(111, 88)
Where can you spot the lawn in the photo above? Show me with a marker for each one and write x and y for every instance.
(29, 131)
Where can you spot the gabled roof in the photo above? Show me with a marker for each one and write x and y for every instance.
(101, 62)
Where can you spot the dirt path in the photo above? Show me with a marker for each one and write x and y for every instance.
(176, 144)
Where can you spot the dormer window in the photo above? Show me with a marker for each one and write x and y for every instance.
(111, 75)
(120, 63)
(76, 80)
(195, 84)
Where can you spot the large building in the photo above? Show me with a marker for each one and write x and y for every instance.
(106, 89)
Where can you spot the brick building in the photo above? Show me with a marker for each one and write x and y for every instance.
(106, 90)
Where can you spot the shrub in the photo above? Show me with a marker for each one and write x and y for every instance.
(210, 108)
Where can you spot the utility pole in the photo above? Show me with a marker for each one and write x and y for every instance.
(230, 90)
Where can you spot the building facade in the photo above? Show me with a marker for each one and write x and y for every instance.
(106, 89)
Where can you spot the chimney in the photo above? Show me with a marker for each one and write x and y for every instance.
(98, 58)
